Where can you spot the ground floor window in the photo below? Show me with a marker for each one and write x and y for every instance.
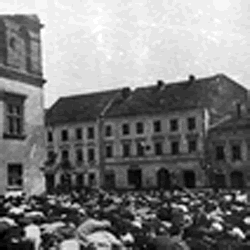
(135, 177)
(92, 179)
(237, 179)
(110, 180)
(163, 179)
(15, 175)
(65, 179)
(50, 182)
(80, 180)
(189, 178)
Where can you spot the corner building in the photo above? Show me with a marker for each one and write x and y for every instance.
(21, 104)
(229, 151)
(74, 140)
(159, 131)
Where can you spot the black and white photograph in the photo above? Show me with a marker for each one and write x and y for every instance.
(124, 125)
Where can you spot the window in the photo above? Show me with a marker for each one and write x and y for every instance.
(79, 155)
(108, 131)
(192, 146)
(158, 148)
(65, 154)
(50, 155)
(91, 133)
(236, 153)
(219, 153)
(139, 128)
(126, 150)
(140, 149)
(109, 151)
(175, 148)
(125, 129)
(157, 126)
(14, 112)
(174, 125)
(15, 175)
(191, 123)
(64, 135)
(50, 136)
(78, 134)
(91, 154)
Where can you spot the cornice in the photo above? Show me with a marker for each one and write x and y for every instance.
(7, 72)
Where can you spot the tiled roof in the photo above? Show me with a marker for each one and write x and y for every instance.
(216, 93)
(79, 108)
(235, 122)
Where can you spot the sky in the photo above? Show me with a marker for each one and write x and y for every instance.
(90, 45)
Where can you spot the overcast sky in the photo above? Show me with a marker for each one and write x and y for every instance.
(91, 45)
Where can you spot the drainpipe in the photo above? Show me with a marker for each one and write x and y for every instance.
(100, 122)
(205, 156)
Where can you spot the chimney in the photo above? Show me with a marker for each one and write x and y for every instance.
(125, 92)
(160, 84)
(191, 79)
(238, 109)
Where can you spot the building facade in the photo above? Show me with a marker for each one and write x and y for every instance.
(73, 139)
(149, 137)
(21, 104)
(160, 131)
(229, 152)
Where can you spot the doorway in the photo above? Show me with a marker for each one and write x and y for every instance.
(135, 178)
(189, 179)
(163, 179)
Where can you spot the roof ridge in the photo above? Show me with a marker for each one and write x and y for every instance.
(183, 82)
(90, 93)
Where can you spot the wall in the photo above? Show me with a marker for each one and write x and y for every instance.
(150, 163)
(31, 151)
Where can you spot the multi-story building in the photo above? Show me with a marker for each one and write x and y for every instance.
(144, 137)
(21, 104)
(229, 151)
(73, 139)
(159, 131)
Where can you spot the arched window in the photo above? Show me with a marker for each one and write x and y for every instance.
(3, 46)
(27, 48)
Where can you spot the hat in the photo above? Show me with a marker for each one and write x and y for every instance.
(247, 220)
(216, 226)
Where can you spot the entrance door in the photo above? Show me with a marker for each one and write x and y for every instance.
(237, 179)
(189, 178)
(134, 177)
(163, 179)
(50, 182)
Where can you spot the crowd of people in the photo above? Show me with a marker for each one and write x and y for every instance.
(96, 219)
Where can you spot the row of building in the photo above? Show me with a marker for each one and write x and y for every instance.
(145, 138)
(121, 138)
